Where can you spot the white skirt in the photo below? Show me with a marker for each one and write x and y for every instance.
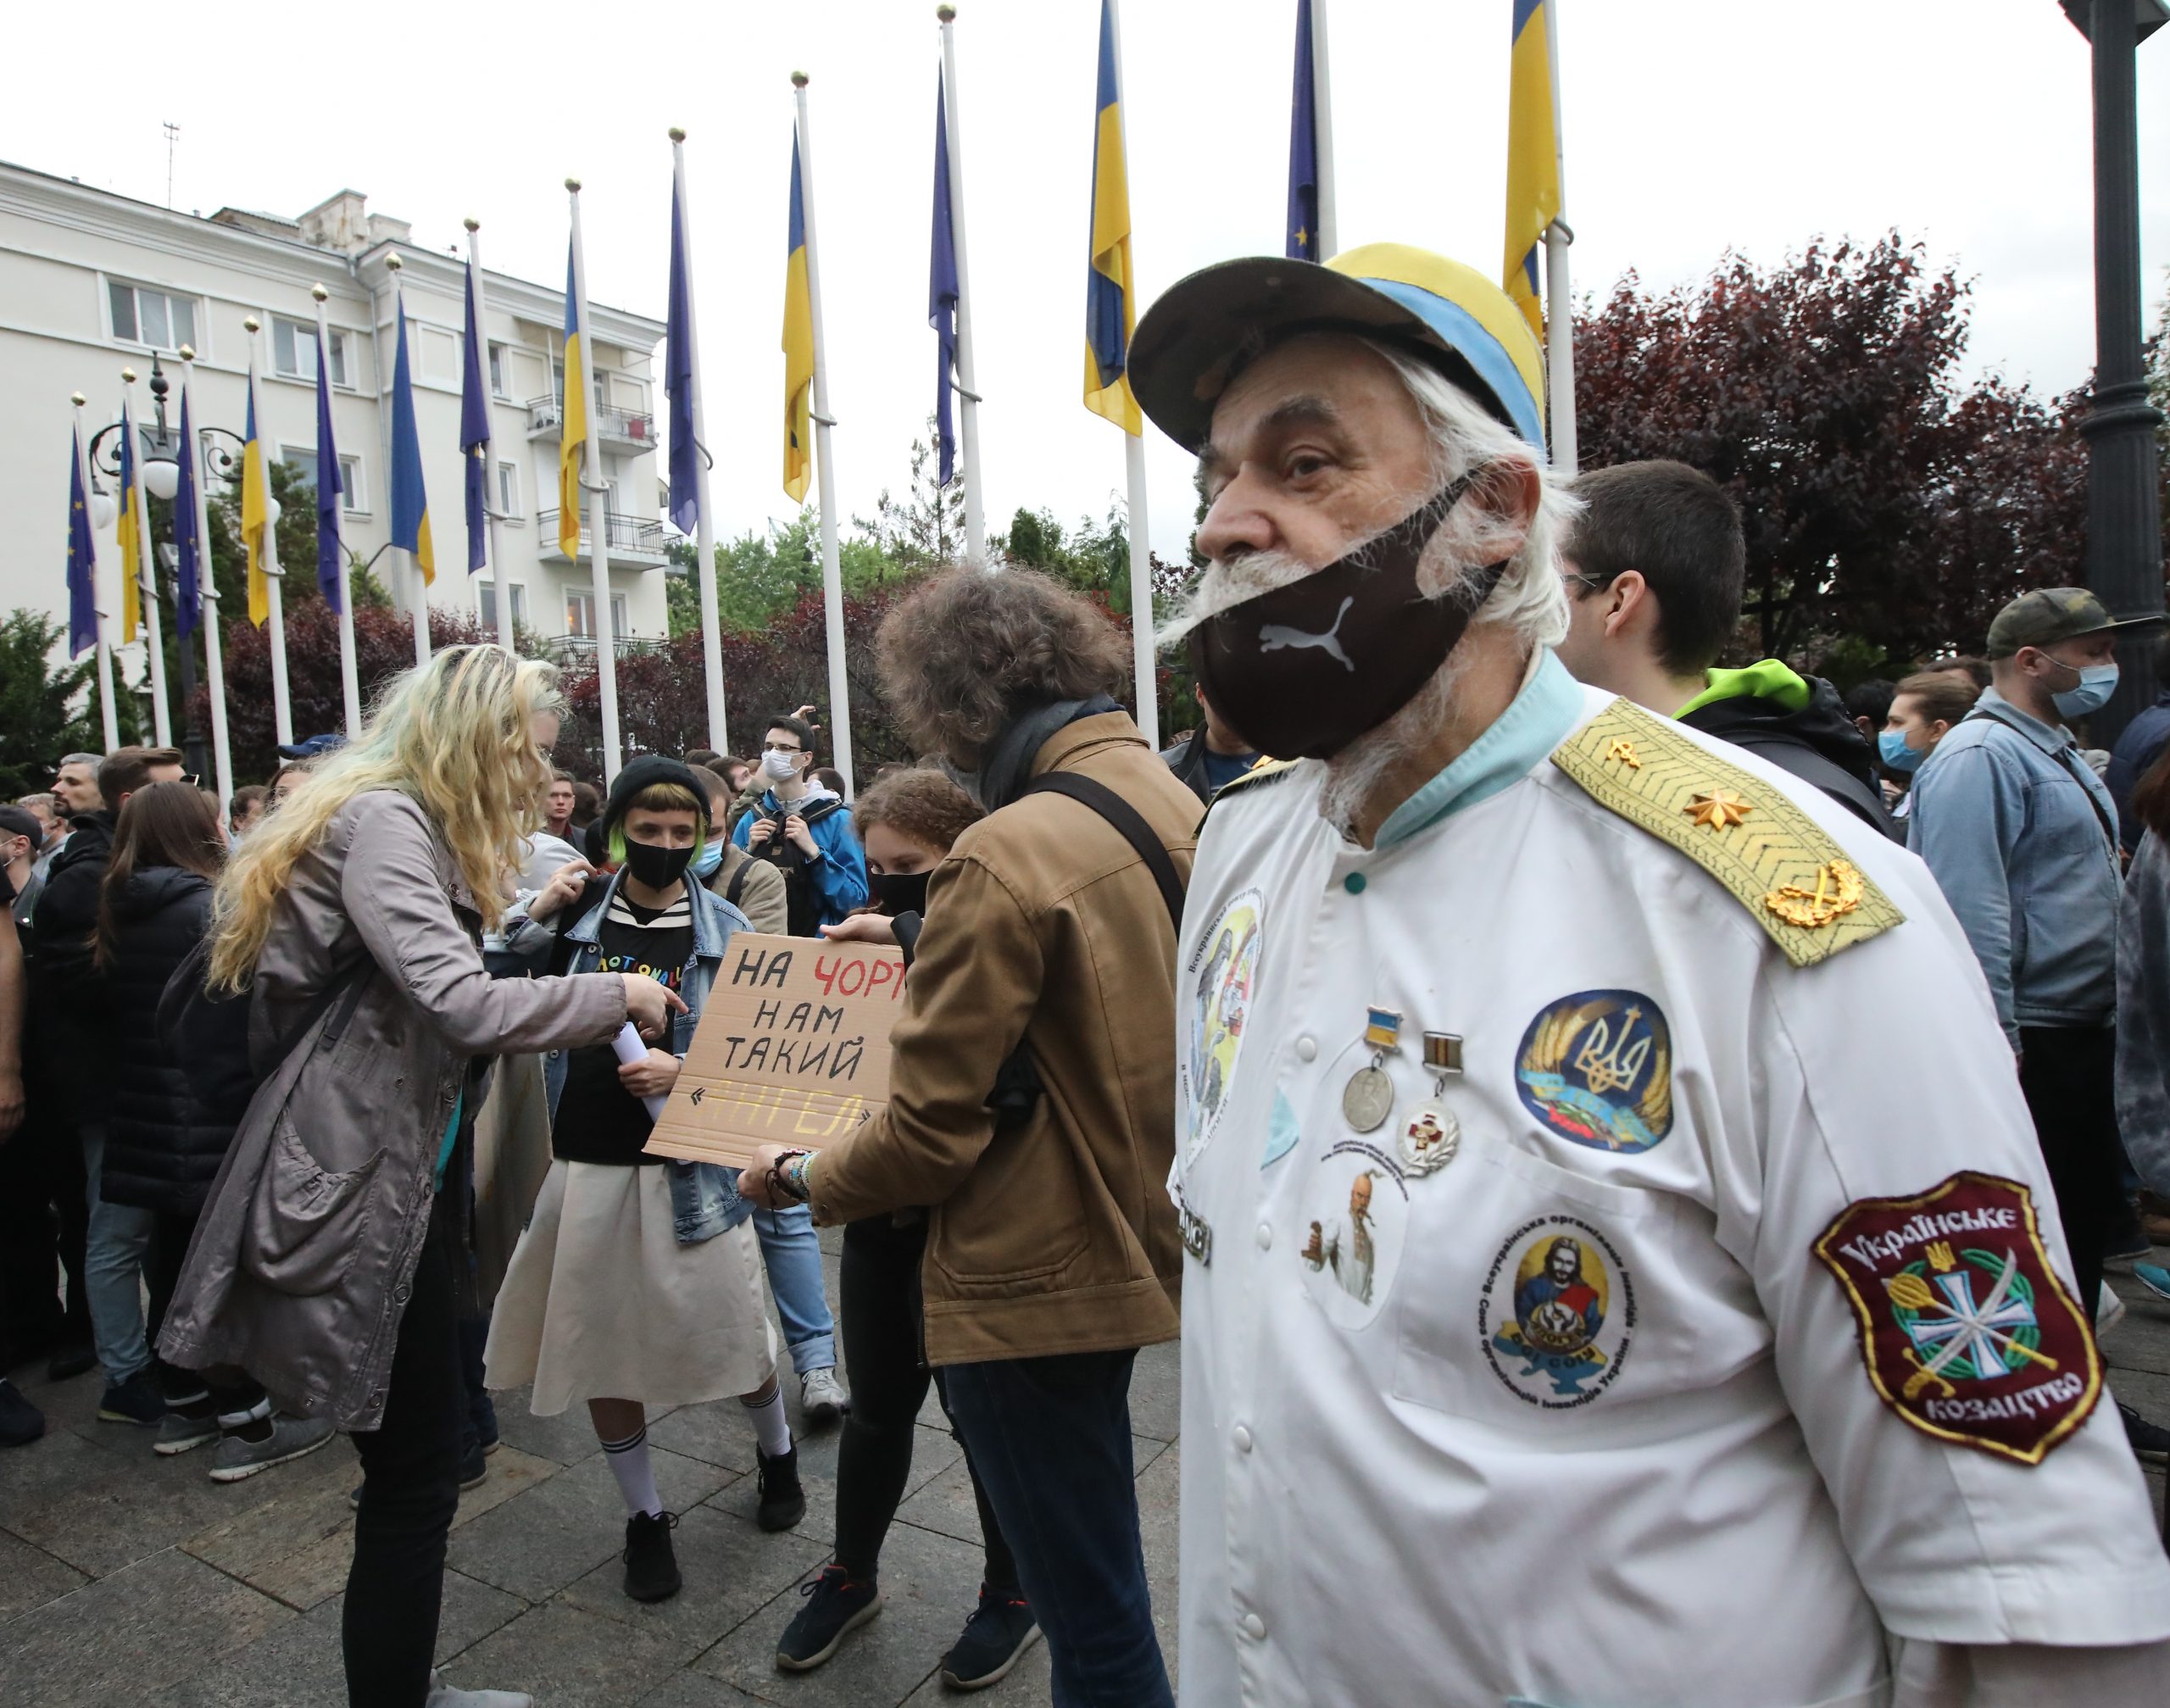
(602, 1302)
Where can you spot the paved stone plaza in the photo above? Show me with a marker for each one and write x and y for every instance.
(128, 1579)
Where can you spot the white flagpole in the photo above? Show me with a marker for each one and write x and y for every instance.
(215, 663)
(282, 708)
(1322, 116)
(411, 581)
(968, 399)
(109, 714)
(504, 589)
(1559, 303)
(705, 519)
(350, 681)
(832, 589)
(606, 643)
(1144, 665)
(147, 587)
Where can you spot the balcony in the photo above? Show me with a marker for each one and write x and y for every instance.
(546, 419)
(633, 540)
(574, 650)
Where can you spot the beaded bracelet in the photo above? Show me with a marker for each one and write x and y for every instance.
(788, 1177)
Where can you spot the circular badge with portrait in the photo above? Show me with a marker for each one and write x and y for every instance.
(1218, 981)
(1356, 1224)
(1556, 1317)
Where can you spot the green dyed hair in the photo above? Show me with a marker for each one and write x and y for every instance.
(661, 798)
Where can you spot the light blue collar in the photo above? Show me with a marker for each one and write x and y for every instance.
(2051, 738)
(1549, 705)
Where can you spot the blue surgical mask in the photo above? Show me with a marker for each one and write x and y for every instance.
(708, 859)
(2097, 682)
(1891, 747)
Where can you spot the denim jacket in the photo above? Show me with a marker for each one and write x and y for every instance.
(2010, 819)
(704, 1199)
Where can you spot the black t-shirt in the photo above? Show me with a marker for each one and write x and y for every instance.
(598, 1120)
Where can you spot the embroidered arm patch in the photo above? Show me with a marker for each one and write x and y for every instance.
(1968, 1334)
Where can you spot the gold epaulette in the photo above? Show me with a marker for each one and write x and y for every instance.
(1779, 864)
(1265, 772)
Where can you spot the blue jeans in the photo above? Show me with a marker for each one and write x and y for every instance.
(792, 1253)
(113, 1271)
(1050, 1439)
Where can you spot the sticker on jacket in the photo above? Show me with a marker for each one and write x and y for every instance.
(1596, 1067)
(1557, 1314)
(1357, 1224)
(1968, 1333)
(1219, 979)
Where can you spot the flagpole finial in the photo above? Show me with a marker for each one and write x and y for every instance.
(249, 325)
(471, 223)
(394, 262)
(948, 14)
(573, 185)
(799, 80)
(319, 292)
(186, 352)
(78, 399)
(127, 376)
(678, 133)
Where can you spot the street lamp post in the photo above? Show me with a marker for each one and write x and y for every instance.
(2124, 526)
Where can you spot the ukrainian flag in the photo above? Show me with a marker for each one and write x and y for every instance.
(410, 498)
(798, 344)
(130, 525)
(1533, 159)
(573, 441)
(256, 507)
(1109, 308)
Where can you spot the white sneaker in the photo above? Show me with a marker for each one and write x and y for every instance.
(821, 1397)
(444, 1696)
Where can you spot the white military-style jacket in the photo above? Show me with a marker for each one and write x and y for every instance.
(1689, 1329)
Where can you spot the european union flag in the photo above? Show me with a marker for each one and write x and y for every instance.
(329, 550)
(679, 378)
(1303, 148)
(188, 584)
(475, 435)
(83, 558)
(410, 498)
(942, 290)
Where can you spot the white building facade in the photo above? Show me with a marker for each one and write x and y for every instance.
(92, 282)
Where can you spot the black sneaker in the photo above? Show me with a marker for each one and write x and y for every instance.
(651, 1563)
(1000, 1629)
(2150, 1441)
(782, 1501)
(473, 1469)
(20, 1422)
(70, 1361)
(836, 1606)
(137, 1400)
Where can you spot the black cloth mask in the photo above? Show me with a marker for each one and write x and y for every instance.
(1302, 671)
(900, 891)
(655, 866)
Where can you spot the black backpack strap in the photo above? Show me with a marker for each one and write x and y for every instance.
(737, 887)
(1126, 819)
(2066, 760)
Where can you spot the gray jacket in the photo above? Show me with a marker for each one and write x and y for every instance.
(2016, 827)
(2143, 1015)
(304, 1255)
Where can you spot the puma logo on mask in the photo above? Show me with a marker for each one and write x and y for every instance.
(1275, 635)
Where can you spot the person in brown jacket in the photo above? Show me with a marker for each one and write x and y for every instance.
(1045, 972)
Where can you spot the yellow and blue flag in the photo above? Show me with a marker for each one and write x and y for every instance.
(331, 549)
(1303, 233)
(410, 498)
(256, 536)
(1109, 308)
(1533, 159)
(129, 523)
(798, 343)
(82, 558)
(474, 434)
(189, 565)
(573, 441)
(943, 292)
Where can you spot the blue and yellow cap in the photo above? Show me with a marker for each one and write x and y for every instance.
(1206, 329)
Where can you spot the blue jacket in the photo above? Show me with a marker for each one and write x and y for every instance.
(2011, 821)
(704, 1199)
(838, 872)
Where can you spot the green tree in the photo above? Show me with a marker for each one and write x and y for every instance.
(922, 530)
(40, 715)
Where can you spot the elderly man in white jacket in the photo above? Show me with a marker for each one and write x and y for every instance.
(1717, 1346)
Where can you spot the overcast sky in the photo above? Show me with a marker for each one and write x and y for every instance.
(1691, 126)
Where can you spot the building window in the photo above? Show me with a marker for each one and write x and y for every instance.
(301, 459)
(618, 624)
(498, 371)
(509, 491)
(489, 593)
(141, 316)
(293, 352)
(580, 614)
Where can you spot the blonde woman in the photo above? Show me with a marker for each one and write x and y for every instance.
(325, 1262)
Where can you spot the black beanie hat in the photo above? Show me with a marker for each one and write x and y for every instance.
(644, 772)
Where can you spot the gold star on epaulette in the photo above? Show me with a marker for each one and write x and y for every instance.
(1717, 808)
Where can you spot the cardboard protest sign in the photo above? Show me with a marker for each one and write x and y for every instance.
(793, 1049)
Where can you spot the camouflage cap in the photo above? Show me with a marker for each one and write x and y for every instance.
(2049, 615)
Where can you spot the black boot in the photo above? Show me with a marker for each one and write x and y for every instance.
(651, 1562)
(783, 1502)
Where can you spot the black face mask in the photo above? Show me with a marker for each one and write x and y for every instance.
(655, 866)
(899, 891)
(1301, 671)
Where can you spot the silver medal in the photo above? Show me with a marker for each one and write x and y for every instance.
(1368, 1099)
(1429, 1140)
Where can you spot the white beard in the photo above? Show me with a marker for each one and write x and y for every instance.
(1353, 773)
(1224, 585)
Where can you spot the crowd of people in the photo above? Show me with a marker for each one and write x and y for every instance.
(1627, 1142)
